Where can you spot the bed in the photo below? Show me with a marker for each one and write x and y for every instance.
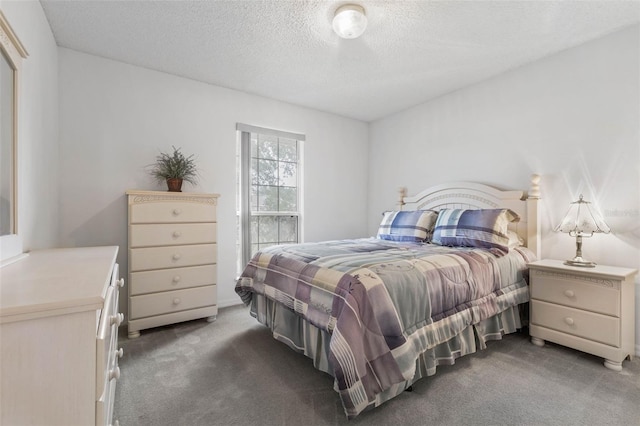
(446, 272)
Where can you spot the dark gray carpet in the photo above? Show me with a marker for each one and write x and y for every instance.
(232, 372)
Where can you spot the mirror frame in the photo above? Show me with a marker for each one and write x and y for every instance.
(14, 52)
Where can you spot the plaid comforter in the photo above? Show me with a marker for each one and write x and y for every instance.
(384, 303)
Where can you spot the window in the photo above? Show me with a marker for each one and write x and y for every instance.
(269, 190)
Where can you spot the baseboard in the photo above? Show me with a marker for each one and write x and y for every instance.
(638, 350)
(13, 259)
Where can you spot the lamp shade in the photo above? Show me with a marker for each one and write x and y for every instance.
(581, 219)
(349, 21)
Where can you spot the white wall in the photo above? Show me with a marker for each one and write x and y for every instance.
(115, 118)
(37, 127)
(572, 117)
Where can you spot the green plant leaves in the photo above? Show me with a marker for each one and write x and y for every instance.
(175, 165)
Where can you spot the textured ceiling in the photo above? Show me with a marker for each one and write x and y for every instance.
(412, 51)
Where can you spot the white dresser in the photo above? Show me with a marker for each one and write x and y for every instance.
(172, 258)
(58, 337)
(589, 309)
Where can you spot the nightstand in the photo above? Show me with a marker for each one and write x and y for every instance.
(589, 309)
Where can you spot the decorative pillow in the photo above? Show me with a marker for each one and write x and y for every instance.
(416, 226)
(486, 228)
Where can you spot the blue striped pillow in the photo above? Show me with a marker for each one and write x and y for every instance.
(416, 226)
(486, 228)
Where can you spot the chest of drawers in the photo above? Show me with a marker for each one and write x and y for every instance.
(589, 309)
(58, 337)
(172, 258)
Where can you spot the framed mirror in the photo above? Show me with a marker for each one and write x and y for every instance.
(12, 53)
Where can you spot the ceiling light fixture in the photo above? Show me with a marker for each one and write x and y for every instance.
(349, 21)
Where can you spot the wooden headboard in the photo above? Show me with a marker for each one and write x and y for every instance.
(470, 195)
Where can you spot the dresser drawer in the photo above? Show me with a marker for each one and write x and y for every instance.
(104, 405)
(172, 301)
(172, 258)
(107, 338)
(115, 276)
(172, 211)
(148, 235)
(171, 279)
(588, 325)
(142, 259)
(565, 290)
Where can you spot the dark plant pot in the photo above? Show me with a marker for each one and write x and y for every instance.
(174, 184)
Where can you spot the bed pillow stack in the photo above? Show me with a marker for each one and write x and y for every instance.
(414, 226)
(486, 228)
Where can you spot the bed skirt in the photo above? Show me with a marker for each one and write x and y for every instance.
(303, 337)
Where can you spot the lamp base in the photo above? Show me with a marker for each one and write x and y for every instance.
(579, 261)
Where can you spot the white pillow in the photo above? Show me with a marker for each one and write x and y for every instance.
(515, 240)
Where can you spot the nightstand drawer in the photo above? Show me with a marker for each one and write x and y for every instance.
(589, 325)
(567, 290)
(143, 259)
(172, 211)
(166, 302)
(171, 234)
(171, 279)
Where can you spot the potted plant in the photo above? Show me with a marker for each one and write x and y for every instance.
(174, 168)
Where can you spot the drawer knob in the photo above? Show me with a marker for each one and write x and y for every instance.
(117, 319)
(176, 256)
(119, 353)
(121, 282)
(176, 301)
(176, 212)
(569, 320)
(176, 279)
(114, 374)
(177, 234)
(569, 293)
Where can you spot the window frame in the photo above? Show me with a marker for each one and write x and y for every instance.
(244, 187)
